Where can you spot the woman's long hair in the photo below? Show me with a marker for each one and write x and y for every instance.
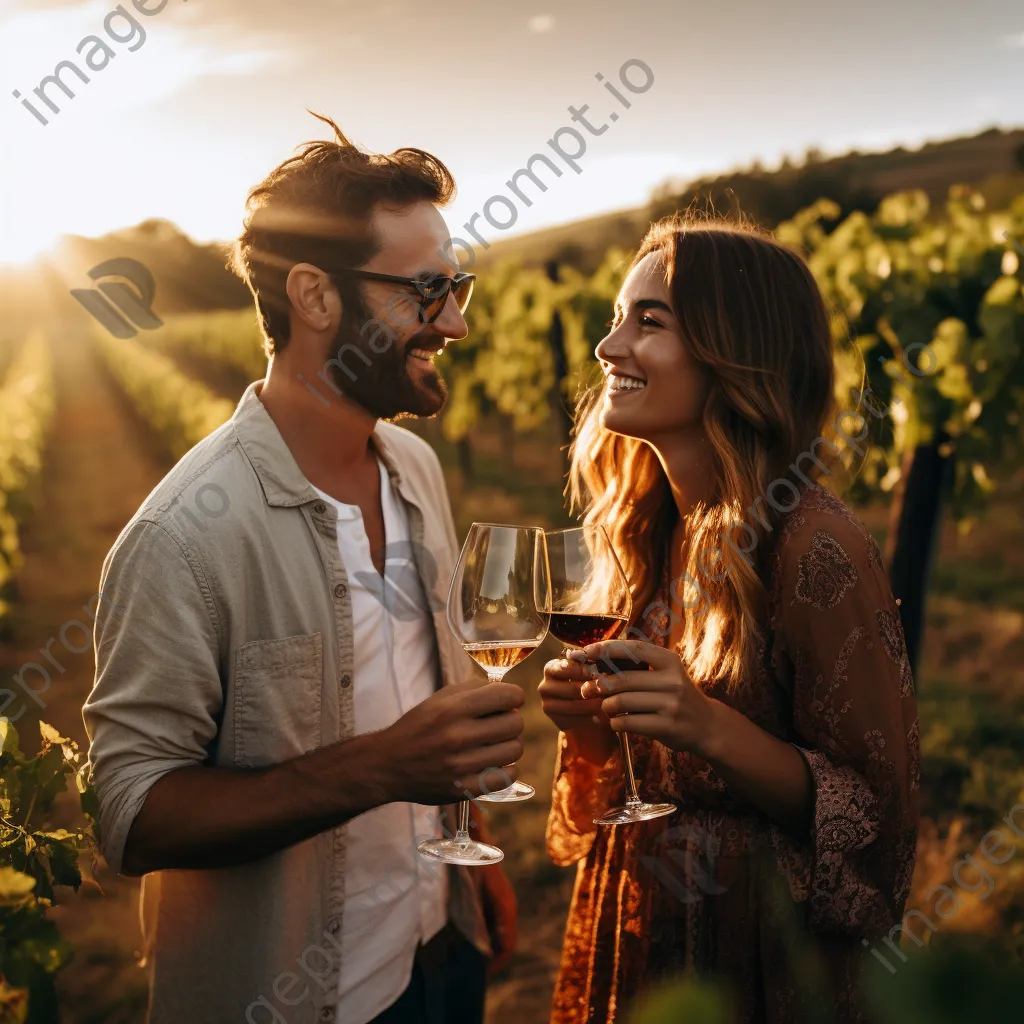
(755, 321)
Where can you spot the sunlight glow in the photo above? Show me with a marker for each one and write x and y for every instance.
(20, 247)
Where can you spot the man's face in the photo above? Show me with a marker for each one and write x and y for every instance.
(395, 375)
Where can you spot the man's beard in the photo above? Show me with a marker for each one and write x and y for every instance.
(379, 381)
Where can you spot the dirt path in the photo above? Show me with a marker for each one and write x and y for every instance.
(98, 470)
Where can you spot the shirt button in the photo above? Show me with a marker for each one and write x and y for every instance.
(334, 925)
(319, 508)
(346, 681)
(327, 1013)
(340, 590)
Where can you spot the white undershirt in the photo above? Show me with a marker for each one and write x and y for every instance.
(394, 899)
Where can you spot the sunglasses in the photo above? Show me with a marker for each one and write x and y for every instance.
(433, 291)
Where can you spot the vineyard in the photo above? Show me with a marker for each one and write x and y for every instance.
(934, 292)
(928, 323)
(180, 411)
(26, 409)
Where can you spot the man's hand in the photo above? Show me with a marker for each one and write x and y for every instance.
(202, 816)
(442, 748)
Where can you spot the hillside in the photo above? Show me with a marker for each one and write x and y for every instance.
(189, 277)
(192, 277)
(992, 161)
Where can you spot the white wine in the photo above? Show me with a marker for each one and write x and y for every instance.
(501, 653)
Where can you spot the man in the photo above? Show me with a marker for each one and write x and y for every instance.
(266, 737)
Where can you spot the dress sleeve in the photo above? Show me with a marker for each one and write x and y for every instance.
(855, 720)
(582, 791)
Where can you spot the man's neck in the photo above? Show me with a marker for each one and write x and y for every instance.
(329, 443)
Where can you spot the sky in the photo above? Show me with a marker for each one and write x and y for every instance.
(182, 124)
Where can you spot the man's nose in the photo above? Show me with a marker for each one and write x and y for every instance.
(451, 323)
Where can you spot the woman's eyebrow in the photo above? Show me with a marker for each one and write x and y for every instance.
(653, 304)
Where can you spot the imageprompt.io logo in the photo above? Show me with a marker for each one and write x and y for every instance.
(121, 309)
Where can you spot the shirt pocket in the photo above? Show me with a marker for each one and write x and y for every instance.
(277, 693)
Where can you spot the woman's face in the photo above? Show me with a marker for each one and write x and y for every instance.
(654, 388)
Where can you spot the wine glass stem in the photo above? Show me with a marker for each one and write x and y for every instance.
(494, 675)
(462, 835)
(627, 764)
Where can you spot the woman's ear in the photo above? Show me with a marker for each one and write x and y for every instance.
(313, 298)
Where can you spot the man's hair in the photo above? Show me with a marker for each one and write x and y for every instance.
(317, 207)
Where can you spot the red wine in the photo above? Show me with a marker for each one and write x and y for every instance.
(580, 630)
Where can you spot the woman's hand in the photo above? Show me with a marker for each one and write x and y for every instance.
(581, 719)
(661, 701)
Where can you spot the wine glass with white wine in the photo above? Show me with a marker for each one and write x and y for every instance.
(495, 611)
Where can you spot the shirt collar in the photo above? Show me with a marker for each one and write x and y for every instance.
(279, 475)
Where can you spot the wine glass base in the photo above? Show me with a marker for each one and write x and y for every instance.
(630, 814)
(452, 851)
(510, 794)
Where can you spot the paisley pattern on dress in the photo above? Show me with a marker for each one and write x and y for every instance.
(825, 573)
(717, 888)
(890, 629)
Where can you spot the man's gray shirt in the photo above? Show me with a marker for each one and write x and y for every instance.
(224, 636)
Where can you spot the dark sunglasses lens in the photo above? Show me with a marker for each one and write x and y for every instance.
(434, 293)
(463, 291)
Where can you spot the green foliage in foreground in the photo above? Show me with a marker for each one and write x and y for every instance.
(961, 984)
(690, 1000)
(34, 859)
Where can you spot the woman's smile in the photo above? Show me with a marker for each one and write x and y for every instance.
(619, 384)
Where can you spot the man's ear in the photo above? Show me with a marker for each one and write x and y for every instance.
(314, 299)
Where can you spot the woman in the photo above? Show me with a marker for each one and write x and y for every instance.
(772, 700)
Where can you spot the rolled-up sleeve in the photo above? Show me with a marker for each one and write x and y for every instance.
(157, 695)
(855, 715)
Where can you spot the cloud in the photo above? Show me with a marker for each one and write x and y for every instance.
(541, 23)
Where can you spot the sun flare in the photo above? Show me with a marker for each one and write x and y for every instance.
(20, 248)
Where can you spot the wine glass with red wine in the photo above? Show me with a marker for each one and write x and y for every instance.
(591, 602)
(495, 611)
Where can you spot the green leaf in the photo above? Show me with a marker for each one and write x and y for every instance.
(87, 794)
(15, 883)
(8, 736)
(64, 865)
(949, 345)
(50, 735)
(902, 209)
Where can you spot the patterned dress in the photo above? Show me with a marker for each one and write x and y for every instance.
(717, 888)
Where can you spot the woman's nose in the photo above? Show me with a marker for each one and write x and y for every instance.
(612, 346)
